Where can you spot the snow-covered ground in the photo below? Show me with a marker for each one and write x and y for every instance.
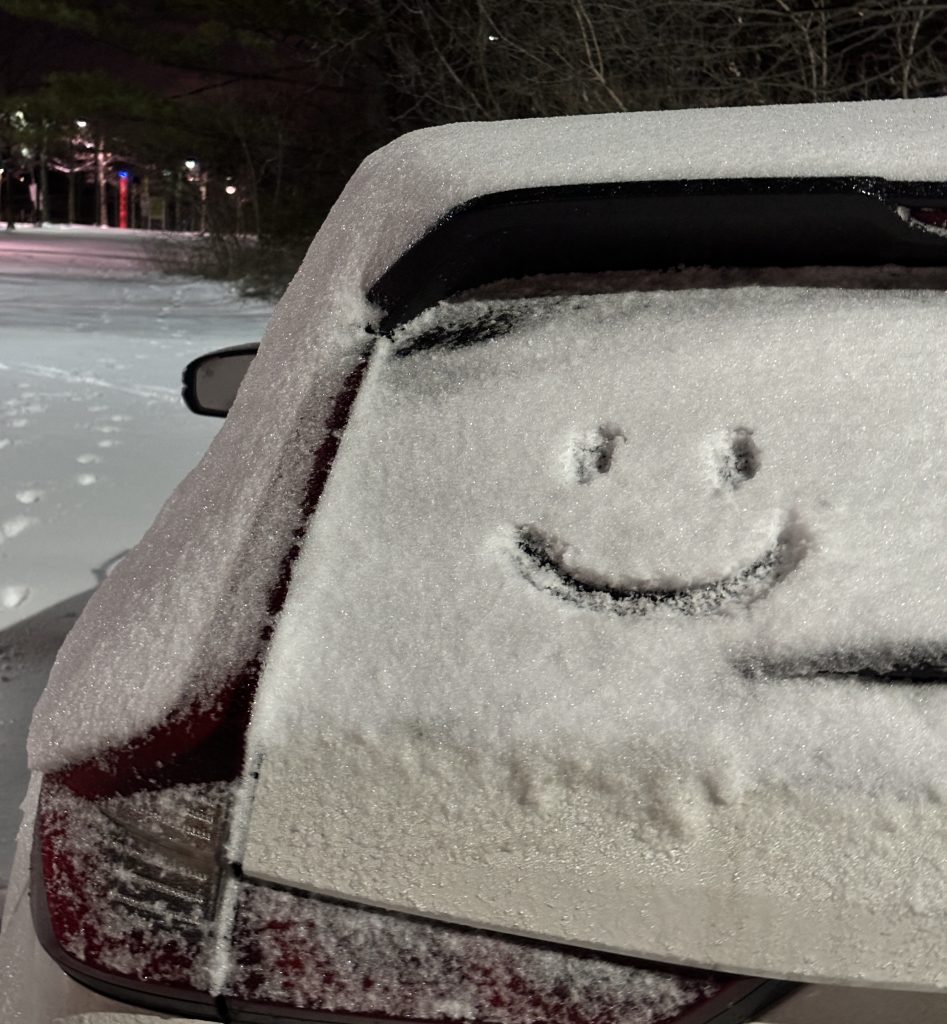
(93, 437)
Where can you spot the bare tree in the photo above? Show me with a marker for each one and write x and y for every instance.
(490, 59)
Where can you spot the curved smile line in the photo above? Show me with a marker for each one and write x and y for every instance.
(539, 558)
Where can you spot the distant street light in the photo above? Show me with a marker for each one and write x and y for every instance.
(82, 124)
(231, 190)
(190, 164)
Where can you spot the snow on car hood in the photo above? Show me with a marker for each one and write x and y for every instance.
(183, 612)
(606, 626)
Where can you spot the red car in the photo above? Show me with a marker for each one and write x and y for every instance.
(555, 631)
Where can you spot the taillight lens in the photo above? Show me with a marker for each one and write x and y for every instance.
(324, 957)
(131, 883)
(137, 901)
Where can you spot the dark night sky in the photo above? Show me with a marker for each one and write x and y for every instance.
(30, 50)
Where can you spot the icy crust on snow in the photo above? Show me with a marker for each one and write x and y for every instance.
(182, 612)
(647, 572)
(323, 956)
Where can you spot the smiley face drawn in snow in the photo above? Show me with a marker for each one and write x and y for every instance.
(550, 557)
(540, 557)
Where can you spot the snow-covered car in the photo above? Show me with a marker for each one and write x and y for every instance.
(555, 630)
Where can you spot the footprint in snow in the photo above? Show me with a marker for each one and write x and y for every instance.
(86, 459)
(107, 443)
(98, 408)
(5, 442)
(15, 526)
(7, 665)
(86, 479)
(13, 596)
(29, 495)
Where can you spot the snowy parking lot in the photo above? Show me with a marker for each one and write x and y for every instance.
(93, 437)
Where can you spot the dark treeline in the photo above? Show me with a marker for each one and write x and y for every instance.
(242, 120)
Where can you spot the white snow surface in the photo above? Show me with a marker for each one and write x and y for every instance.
(190, 595)
(524, 730)
(93, 436)
(92, 345)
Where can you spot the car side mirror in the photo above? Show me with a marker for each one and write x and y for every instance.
(211, 381)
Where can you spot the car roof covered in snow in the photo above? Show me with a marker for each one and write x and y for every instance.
(184, 611)
(423, 175)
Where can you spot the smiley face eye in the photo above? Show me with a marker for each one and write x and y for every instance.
(737, 458)
(590, 454)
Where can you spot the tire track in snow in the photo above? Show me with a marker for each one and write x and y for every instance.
(156, 391)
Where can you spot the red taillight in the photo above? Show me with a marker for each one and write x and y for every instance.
(931, 216)
(130, 885)
(324, 957)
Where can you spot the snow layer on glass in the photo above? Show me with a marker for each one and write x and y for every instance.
(182, 612)
(645, 567)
